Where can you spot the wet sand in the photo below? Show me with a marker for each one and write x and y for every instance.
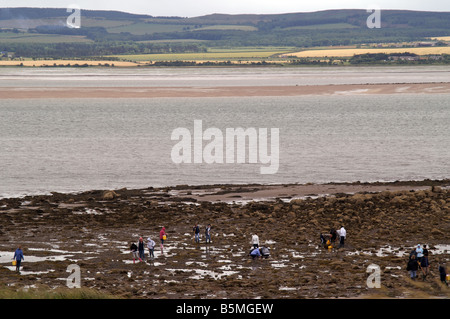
(224, 91)
(93, 229)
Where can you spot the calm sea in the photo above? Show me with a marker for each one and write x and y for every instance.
(82, 144)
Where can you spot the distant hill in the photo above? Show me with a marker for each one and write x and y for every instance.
(25, 28)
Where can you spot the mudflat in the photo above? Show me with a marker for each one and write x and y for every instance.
(221, 91)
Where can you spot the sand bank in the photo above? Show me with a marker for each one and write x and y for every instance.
(223, 91)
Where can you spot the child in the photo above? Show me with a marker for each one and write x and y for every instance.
(151, 247)
(134, 252)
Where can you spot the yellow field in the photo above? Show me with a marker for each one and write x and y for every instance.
(41, 63)
(441, 38)
(351, 52)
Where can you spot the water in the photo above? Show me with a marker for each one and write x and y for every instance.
(83, 144)
(172, 77)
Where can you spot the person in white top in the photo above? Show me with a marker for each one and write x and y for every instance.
(255, 241)
(342, 234)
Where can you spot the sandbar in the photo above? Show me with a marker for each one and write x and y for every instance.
(222, 91)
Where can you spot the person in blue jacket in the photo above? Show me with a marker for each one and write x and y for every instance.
(255, 253)
(18, 257)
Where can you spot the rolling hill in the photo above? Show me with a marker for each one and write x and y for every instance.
(43, 32)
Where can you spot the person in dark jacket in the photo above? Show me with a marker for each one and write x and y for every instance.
(443, 274)
(412, 267)
(333, 235)
(196, 230)
(134, 252)
(141, 248)
(18, 257)
(424, 262)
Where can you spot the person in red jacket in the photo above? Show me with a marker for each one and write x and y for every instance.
(162, 235)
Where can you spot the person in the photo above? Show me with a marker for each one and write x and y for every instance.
(18, 257)
(208, 233)
(255, 241)
(196, 230)
(322, 240)
(255, 253)
(265, 252)
(151, 247)
(412, 267)
(162, 235)
(134, 252)
(333, 235)
(419, 252)
(424, 263)
(443, 274)
(413, 253)
(342, 235)
(141, 249)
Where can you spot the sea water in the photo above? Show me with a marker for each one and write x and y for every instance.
(69, 145)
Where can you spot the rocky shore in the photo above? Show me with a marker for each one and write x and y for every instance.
(94, 230)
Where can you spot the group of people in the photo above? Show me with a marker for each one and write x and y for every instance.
(256, 251)
(196, 230)
(138, 251)
(418, 258)
(329, 240)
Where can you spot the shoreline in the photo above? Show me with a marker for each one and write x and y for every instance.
(229, 193)
(222, 91)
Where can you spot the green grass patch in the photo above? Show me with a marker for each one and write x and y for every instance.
(330, 26)
(142, 28)
(12, 37)
(213, 54)
(228, 27)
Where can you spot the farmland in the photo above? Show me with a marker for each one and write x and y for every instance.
(349, 52)
(42, 35)
(214, 54)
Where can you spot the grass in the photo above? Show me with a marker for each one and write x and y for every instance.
(228, 27)
(60, 293)
(11, 37)
(332, 26)
(142, 28)
(351, 52)
(213, 54)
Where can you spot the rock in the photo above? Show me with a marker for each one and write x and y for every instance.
(109, 195)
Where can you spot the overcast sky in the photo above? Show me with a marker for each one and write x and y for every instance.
(190, 8)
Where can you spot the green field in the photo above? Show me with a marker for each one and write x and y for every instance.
(228, 27)
(12, 37)
(214, 54)
(142, 28)
(330, 26)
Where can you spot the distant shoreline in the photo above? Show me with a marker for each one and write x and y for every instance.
(222, 91)
(229, 192)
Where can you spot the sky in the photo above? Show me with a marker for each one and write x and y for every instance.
(192, 8)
